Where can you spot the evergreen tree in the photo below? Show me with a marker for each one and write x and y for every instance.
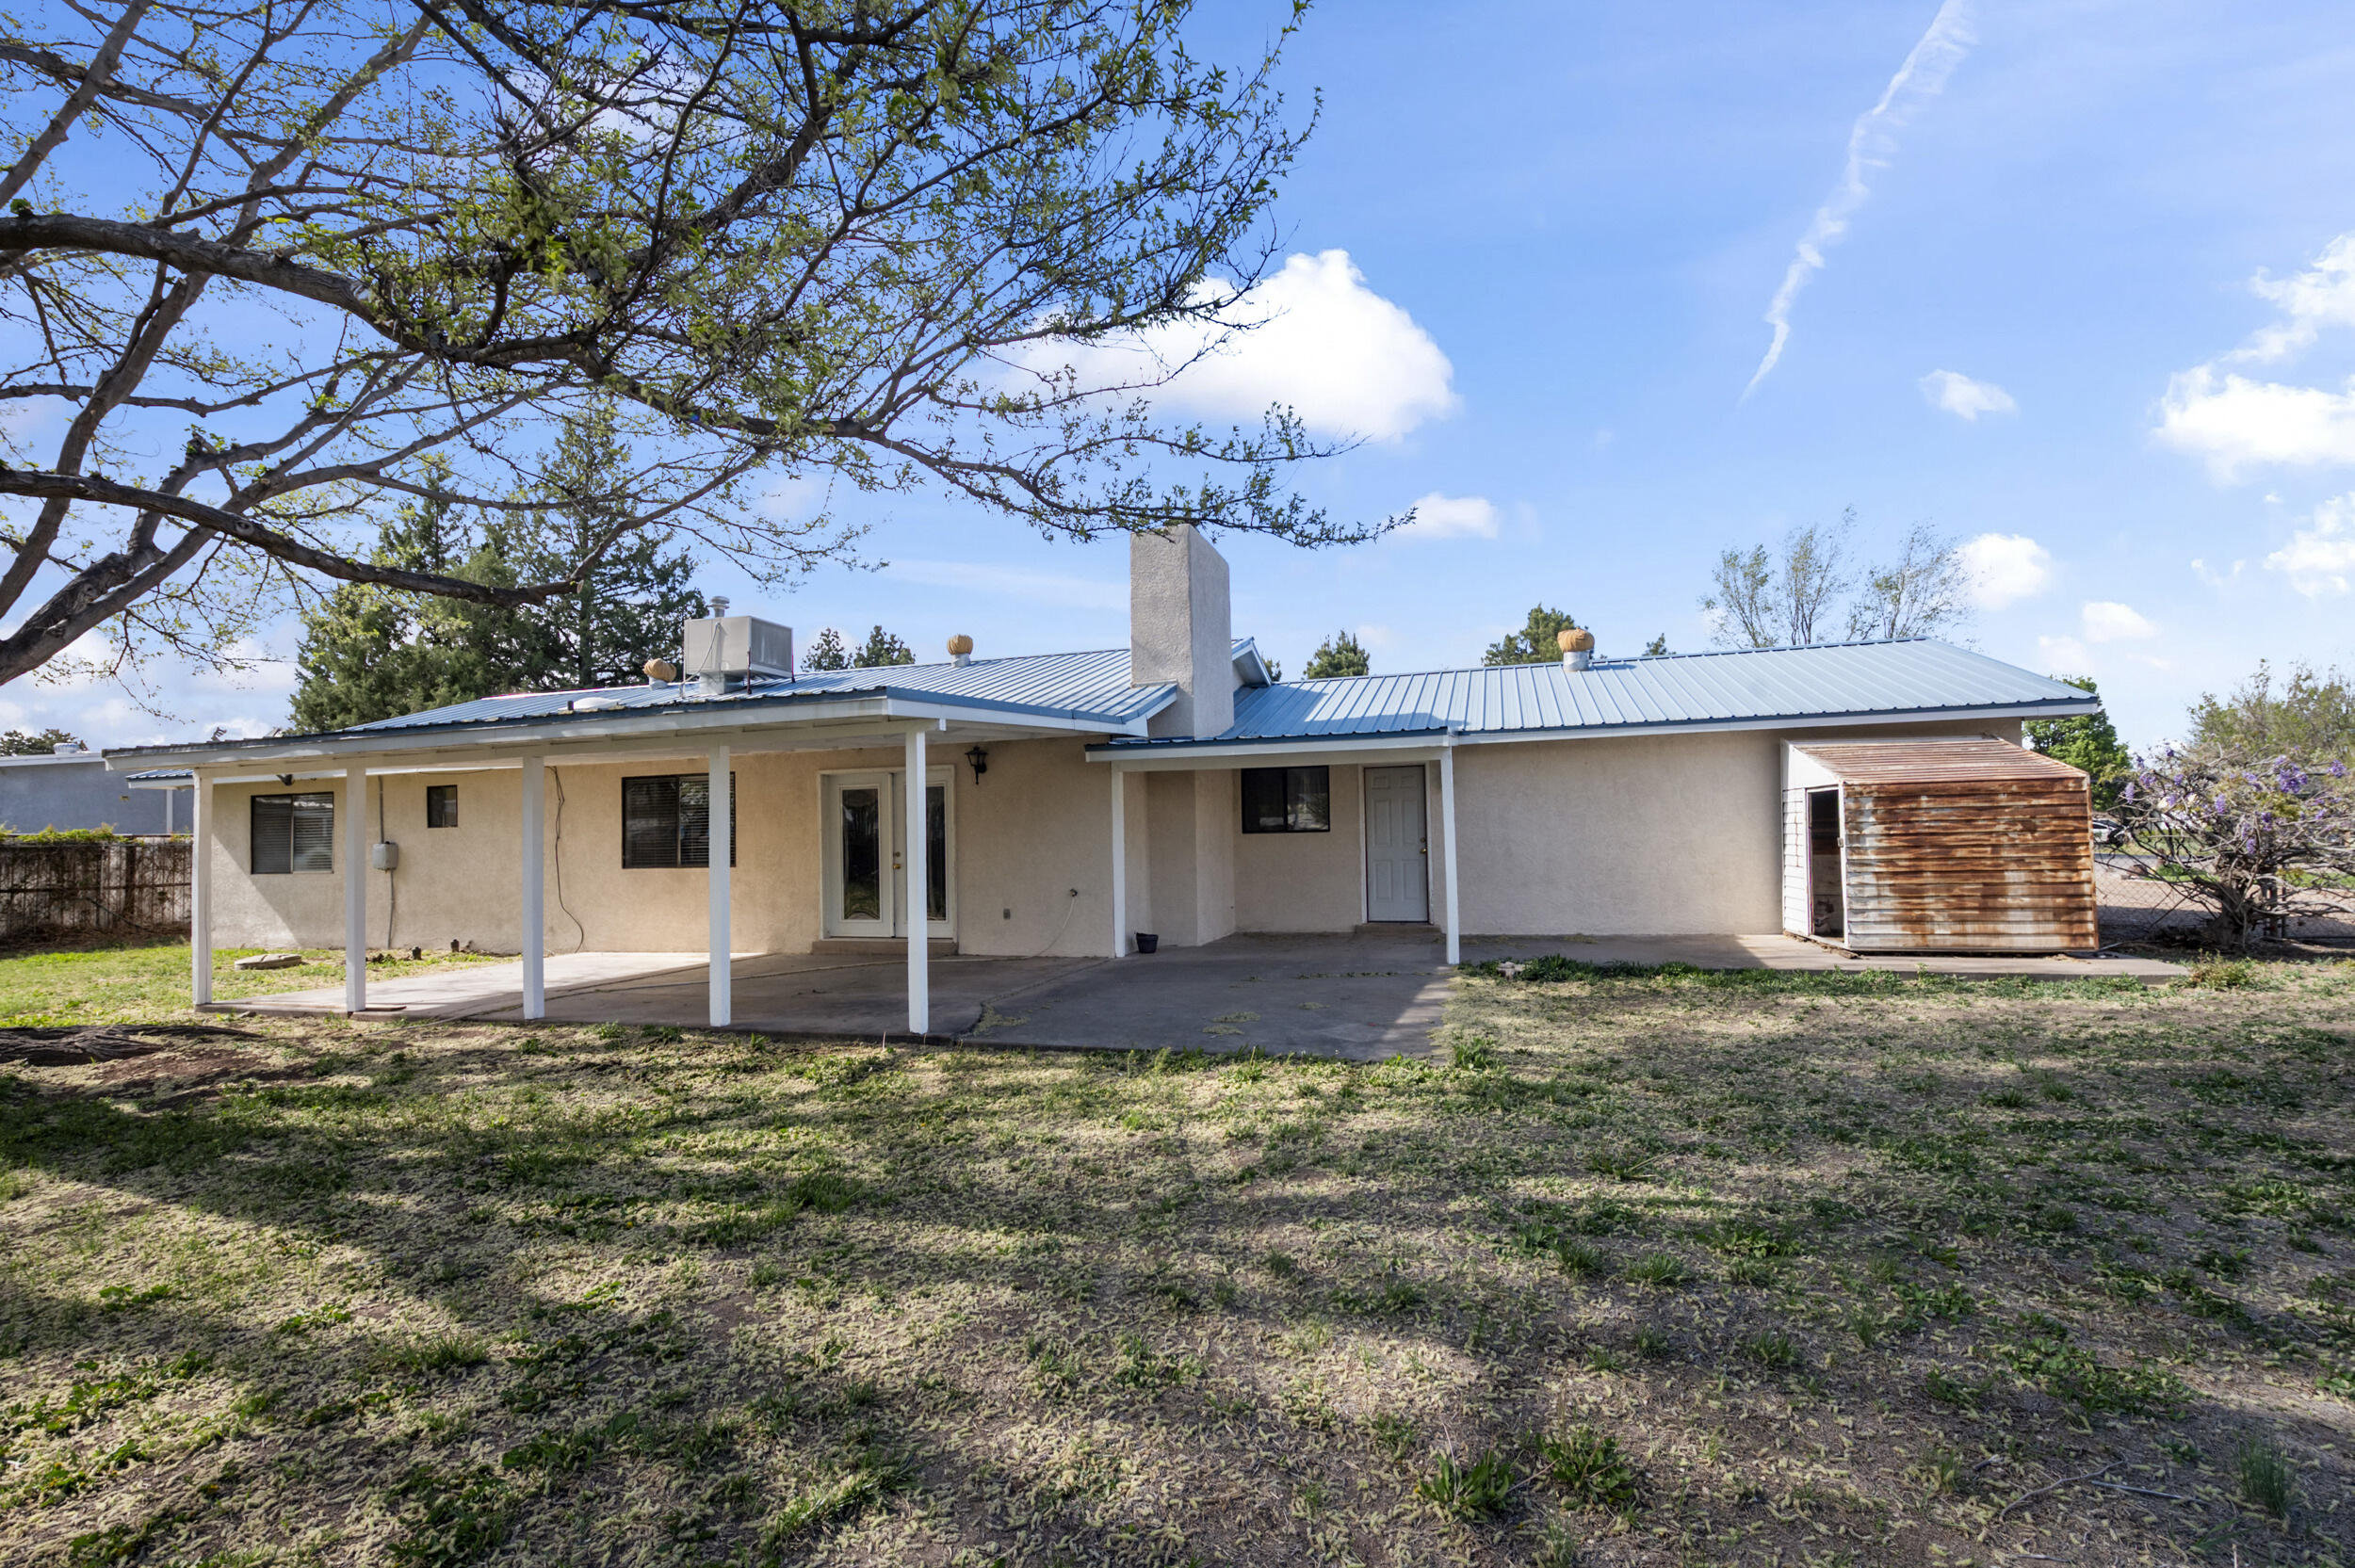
(370, 652)
(630, 605)
(1534, 642)
(826, 652)
(1657, 647)
(882, 648)
(2088, 741)
(2311, 716)
(1339, 654)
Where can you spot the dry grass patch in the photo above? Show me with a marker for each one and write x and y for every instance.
(1656, 1268)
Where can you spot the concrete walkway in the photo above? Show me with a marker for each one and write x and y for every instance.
(1360, 997)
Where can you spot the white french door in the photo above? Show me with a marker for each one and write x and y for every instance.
(864, 826)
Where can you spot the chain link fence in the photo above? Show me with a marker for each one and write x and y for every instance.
(2136, 910)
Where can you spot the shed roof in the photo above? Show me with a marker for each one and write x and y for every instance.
(1952, 761)
(1856, 680)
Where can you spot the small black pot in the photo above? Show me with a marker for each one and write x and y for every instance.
(1148, 943)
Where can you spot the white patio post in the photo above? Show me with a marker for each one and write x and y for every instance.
(722, 824)
(355, 887)
(201, 893)
(1448, 845)
(533, 936)
(1120, 862)
(920, 885)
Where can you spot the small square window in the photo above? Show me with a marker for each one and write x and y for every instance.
(441, 805)
(1286, 799)
(666, 820)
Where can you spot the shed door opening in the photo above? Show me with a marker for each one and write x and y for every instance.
(1829, 915)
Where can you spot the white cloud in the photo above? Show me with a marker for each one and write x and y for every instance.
(1348, 362)
(1959, 395)
(2214, 578)
(1010, 582)
(2064, 656)
(2322, 296)
(1438, 516)
(2234, 422)
(2321, 559)
(2006, 569)
(2107, 621)
(1871, 145)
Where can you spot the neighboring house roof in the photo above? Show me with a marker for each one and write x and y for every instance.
(1748, 688)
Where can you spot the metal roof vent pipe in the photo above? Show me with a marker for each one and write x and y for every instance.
(1578, 647)
(960, 650)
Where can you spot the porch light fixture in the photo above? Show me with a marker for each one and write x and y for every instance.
(979, 757)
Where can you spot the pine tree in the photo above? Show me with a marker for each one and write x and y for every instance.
(882, 648)
(370, 652)
(1337, 656)
(630, 605)
(1534, 642)
(826, 652)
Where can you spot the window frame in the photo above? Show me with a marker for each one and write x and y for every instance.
(323, 853)
(679, 859)
(1299, 788)
(441, 795)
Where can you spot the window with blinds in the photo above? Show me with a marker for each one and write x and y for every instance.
(293, 833)
(441, 805)
(1286, 799)
(666, 821)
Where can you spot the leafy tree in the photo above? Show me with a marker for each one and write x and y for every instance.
(826, 652)
(1657, 647)
(1792, 597)
(2311, 716)
(1339, 654)
(1923, 590)
(856, 240)
(881, 648)
(1535, 643)
(16, 743)
(2088, 741)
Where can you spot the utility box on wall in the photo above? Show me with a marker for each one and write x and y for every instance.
(1936, 847)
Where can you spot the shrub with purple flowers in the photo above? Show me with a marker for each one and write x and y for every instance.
(2256, 842)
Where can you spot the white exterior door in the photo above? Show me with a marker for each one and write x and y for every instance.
(866, 853)
(1398, 851)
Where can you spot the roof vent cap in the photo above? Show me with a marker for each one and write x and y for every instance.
(1577, 645)
(961, 649)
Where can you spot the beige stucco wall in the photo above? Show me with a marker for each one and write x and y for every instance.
(1646, 836)
(1034, 828)
(1304, 881)
(1676, 834)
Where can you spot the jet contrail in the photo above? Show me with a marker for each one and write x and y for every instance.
(1918, 80)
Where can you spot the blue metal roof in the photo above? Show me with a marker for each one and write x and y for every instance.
(1081, 685)
(1861, 680)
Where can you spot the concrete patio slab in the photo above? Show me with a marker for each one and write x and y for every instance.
(1358, 997)
(824, 994)
(1791, 952)
(463, 992)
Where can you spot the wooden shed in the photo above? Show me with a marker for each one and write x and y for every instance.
(1936, 847)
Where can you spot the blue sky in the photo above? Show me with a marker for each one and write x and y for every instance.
(1537, 247)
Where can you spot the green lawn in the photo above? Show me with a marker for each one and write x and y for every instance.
(1643, 1268)
(149, 981)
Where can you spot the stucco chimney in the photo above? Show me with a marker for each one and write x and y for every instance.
(1180, 629)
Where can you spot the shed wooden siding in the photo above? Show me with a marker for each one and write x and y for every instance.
(1963, 846)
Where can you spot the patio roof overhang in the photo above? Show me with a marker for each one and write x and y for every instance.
(834, 722)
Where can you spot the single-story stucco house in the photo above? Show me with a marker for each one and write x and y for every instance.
(1073, 801)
